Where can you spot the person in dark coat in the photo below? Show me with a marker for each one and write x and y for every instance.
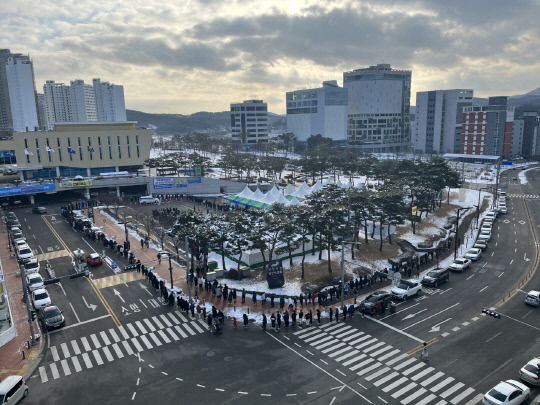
(301, 317)
(254, 298)
(293, 317)
(192, 310)
(281, 302)
(319, 316)
(271, 300)
(243, 295)
(278, 320)
(331, 314)
(286, 319)
(246, 320)
(273, 321)
(344, 309)
(337, 315)
(264, 322)
(171, 299)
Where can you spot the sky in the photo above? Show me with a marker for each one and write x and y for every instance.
(186, 56)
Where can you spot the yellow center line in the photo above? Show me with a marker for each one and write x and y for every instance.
(419, 348)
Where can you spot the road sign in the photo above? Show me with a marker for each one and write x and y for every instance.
(114, 266)
(506, 163)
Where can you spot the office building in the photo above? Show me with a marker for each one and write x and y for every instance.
(18, 111)
(316, 111)
(110, 103)
(249, 122)
(439, 115)
(379, 103)
(487, 130)
(523, 134)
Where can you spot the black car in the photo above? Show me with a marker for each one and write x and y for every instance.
(52, 317)
(436, 277)
(370, 303)
(13, 223)
(39, 210)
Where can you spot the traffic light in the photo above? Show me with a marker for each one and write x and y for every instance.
(491, 313)
(33, 315)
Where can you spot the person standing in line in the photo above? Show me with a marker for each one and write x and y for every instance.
(351, 311)
(278, 320)
(286, 319)
(159, 258)
(271, 300)
(344, 309)
(254, 298)
(246, 320)
(263, 298)
(264, 321)
(142, 243)
(301, 318)
(230, 297)
(337, 315)
(293, 317)
(273, 320)
(319, 316)
(243, 295)
(331, 314)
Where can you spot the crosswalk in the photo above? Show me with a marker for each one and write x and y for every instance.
(405, 378)
(524, 195)
(118, 279)
(116, 343)
(52, 255)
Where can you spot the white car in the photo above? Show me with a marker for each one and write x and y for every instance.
(19, 243)
(485, 235)
(473, 253)
(509, 392)
(406, 289)
(533, 298)
(34, 281)
(32, 266)
(503, 209)
(460, 264)
(486, 226)
(41, 298)
(25, 253)
(530, 372)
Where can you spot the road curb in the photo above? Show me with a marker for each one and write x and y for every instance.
(39, 356)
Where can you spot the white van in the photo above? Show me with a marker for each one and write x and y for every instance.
(12, 390)
(148, 199)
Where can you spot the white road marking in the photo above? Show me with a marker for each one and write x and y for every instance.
(54, 353)
(65, 367)
(123, 332)
(132, 330)
(197, 327)
(429, 317)
(54, 370)
(75, 346)
(76, 364)
(105, 338)
(164, 336)
(341, 372)
(75, 313)
(114, 335)
(483, 288)
(149, 324)
(493, 337)
(133, 397)
(146, 342)
(117, 350)
(442, 384)
(182, 333)
(95, 340)
(165, 320)
(186, 327)
(127, 347)
(97, 356)
(79, 324)
(138, 347)
(65, 350)
(141, 327)
(87, 361)
(43, 374)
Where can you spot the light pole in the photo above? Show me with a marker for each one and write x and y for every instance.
(457, 229)
(170, 265)
(127, 220)
(189, 278)
(343, 267)
(478, 205)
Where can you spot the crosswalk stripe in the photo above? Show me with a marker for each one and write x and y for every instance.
(137, 345)
(43, 374)
(65, 367)
(396, 359)
(382, 371)
(415, 395)
(382, 350)
(127, 347)
(422, 373)
(326, 325)
(317, 336)
(360, 339)
(157, 322)
(361, 364)
(463, 395)
(366, 343)
(97, 356)
(308, 332)
(432, 378)
(354, 359)
(54, 371)
(324, 339)
(334, 354)
(332, 348)
(65, 350)
(395, 384)
(369, 368)
(337, 325)
(427, 399)
(203, 324)
(442, 384)
(122, 330)
(182, 333)
(76, 364)
(117, 350)
(349, 354)
(403, 390)
(386, 378)
(174, 318)
(146, 342)
(54, 352)
(197, 327)
(373, 347)
(451, 390)
(186, 327)
(339, 331)
(387, 355)
(155, 339)
(341, 335)
(413, 369)
(164, 336)
(173, 335)
(95, 340)
(149, 324)
(165, 320)
(114, 335)
(132, 330)
(441, 402)
(326, 343)
(108, 354)
(141, 327)
(404, 364)
(87, 361)
(181, 316)
(105, 338)
(75, 346)
(353, 336)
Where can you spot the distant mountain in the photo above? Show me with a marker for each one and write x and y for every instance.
(210, 122)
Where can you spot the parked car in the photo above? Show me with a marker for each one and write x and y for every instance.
(484, 235)
(460, 264)
(52, 317)
(370, 303)
(39, 210)
(32, 266)
(533, 298)
(94, 259)
(41, 298)
(25, 253)
(530, 372)
(406, 289)
(509, 392)
(34, 281)
(486, 226)
(436, 277)
(19, 242)
(18, 239)
(503, 210)
(480, 244)
(473, 254)
(13, 388)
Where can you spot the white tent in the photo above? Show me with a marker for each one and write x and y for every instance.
(339, 183)
(317, 187)
(268, 198)
(257, 195)
(275, 192)
(302, 191)
(295, 201)
(246, 193)
(282, 200)
(291, 188)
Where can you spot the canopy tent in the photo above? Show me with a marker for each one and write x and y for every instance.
(230, 197)
(281, 200)
(275, 192)
(289, 189)
(302, 191)
(268, 198)
(339, 183)
(295, 201)
(317, 187)
(257, 195)
(246, 193)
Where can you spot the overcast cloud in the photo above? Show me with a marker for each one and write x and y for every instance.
(187, 56)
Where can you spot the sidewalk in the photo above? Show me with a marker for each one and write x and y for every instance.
(11, 354)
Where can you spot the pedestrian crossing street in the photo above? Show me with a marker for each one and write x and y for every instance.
(524, 195)
(118, 279)
(52, 255)
(115, 343)
(405, 378)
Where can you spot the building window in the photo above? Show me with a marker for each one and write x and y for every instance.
(110, 152)
(69, 148)
(138, 151)
(109, 140)
(80, 153)
(118, 140)
(100, 154)
(79, 140)
(119, 152)
(99, 140)
(127, 139)
(59, 149)
(129, 152)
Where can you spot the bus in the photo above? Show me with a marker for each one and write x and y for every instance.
(165, 171)
(109, 175)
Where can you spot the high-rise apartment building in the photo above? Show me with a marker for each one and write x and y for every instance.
(18, 111)
(110, 102)
(487, 130)
(379, 104)
(439, 114)
(318, 111)
(249, 122)
(523, 134)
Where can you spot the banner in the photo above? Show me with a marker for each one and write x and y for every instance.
(79, 183)
(27, 189)
(163, 182)
(194, 180)
(181, 183)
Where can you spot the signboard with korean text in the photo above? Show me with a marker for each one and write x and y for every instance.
(38, 188)
(163, 182)
(79, 183)
(181, 182)
(274, 276)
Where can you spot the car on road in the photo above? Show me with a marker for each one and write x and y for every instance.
(17, 234)
(41, 298)
(52, 317)
(39, 210)
(406, 289)
(484, 235)
(533, 298)
(436, 277)
(148, 199)
(13, 388)
(94, 259)
(34, 281)
(502, 209)
(460, 264)
(480, 244)
(370, 303)
(25, 253)
(530, 372)
(32, 266)
(19, 242)
(473, 254)
(509, 392)
(486, 226)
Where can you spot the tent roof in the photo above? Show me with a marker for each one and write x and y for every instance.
(317, 187)
(302, 191)
(257, 195)
(246, 193)
(281, 200)
(275, 192)
(295, 201)
(291, 188)
(268, 198)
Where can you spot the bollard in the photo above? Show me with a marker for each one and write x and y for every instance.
(23, 355)
(248, 310)
(28, 344)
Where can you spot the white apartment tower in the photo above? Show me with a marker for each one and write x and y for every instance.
(110, 102)
(316, 111)
(439, 115)
(18, 111)
(249, 122)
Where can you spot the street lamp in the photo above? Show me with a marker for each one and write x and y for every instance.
(343, 267)
(457, 228)
(170, 265)
(127, 220)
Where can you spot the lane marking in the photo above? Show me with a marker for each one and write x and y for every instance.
(429, 317)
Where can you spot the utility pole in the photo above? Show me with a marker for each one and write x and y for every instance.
(188, 275)
(28, 309)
